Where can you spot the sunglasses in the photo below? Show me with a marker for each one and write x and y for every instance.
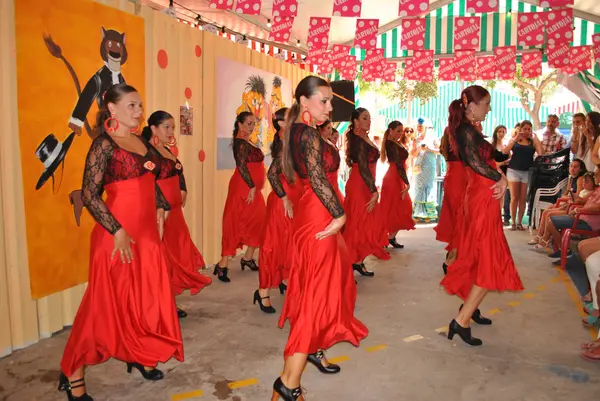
(409, 130)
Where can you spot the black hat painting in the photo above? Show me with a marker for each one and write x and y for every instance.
(51, 152)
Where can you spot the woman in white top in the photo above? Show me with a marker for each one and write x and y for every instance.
(582, 144)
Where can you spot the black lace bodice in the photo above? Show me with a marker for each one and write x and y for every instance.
(397, 155)
(331, 157)
(170, 168)
(363, 154)
(105, 163)
(274, 175)
(243, 153)
(309, 154)
(476, 152)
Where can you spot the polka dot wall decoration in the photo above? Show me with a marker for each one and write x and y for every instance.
(198, 51)
(187, 93)
(162, 58)
(201, 156)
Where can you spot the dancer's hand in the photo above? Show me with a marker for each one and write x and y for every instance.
(404, 192)
(160, 220)
(332, 228)
(372, 202)
(288, 207)
(123, 245)
(183, 198)
(251, 194)
(75, 128)
(499, 188)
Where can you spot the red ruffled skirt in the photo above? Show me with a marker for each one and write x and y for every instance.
(321, 294)
(243, 223)
(364, 232)
(397, 212)
(128, 310)
(183, 256)
(455, 184)
(484, 258)
(275, 253)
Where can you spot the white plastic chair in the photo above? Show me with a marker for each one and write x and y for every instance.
(538, 205)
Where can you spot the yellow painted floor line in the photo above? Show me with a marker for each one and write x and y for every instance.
(416, 337)
(528, 295)
(242, 383)
(492, 312)
(514, 303)
(376, 348)
(576, 300)
(185, 396)
(338, 359)
(442, 329)
(541, 288)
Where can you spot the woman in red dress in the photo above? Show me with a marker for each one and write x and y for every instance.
(365, 232)
(396, 205)
(245, 209)
(484, 262)
(127, 311)
(275, 252)
(183, 256)
(321, 291)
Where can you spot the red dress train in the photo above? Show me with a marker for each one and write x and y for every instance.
(128, 310)
(183, 256)
(321, 295)
(365, 233)
(396, 212)
(455, 185)
(484, 258)
(243, 223)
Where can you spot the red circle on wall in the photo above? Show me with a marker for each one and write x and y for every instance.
(198, 51)
(188, 93)
(201, 155)
(175, 150)
(163, 59)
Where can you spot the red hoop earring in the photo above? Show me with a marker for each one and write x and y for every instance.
(107, 126)
(306, 120)
(172, 143)
(154, 140)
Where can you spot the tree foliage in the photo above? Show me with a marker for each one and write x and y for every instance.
(534, 91)
(400, 90)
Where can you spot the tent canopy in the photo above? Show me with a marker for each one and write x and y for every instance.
(342, 29)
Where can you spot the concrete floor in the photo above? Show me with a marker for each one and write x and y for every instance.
(234, 351)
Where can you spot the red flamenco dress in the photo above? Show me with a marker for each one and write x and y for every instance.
(183, 256)
(397, 212)
(365, 232)
(276, 250)
(484, 258)
(455, 185)
(321, 290)
(128, 311)
(243, 223)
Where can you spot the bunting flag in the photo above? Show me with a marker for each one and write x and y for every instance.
(530, 29)
(409, 71)
(596, 47)
(580, 59)
(318, 32)
(413, 8)
(555, 3)
(486, 69)
(559, 55)
(347, 8)
(366, 33)
(349, 69)
(506, 62)
(338, 55)
(559, 26)
(221, 4)
(372, 64)
(285, 8)
(447, 69)
(466, 33)
(324, 64)
(482, 6)
(531, 64)
(281, 29)
(250, 7)
(422, 64)
(465, 64)
(316, 56)
(389, 72)
(413, 34)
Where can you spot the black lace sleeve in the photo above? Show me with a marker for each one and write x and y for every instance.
(241, 152)
(274, 176)
(155, 156)
(468, 146)
(96, 164)
(312, 150)
(394, 157)
(363, 166)
(182, 184)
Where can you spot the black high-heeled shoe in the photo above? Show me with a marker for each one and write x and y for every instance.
(282, 288)
(288, 394)
(477, 318)
(464, 333)
(152, 374)
(65, 385)
(250, 264)
(317, 358)
(221, 273)
(362, 269)
(181, 313)
(395, 243)
(258, 298)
